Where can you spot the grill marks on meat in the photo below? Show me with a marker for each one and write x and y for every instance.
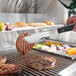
(9, 70)
(40, 63)
(2, 59)
(22, 46)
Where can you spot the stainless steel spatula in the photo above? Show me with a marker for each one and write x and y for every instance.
(37, 36)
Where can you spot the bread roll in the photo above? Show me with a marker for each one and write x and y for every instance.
(37, 24)
(49, 22)
(20, 24)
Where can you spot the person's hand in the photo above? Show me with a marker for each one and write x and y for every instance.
(72, 20)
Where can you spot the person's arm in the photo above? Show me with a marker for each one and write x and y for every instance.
(72, 20)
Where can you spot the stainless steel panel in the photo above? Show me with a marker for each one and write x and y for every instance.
(15, 17)
(35, 18)
(12, 17)
(24, 6)
(17, 6)
(67, 37)
(69, 71)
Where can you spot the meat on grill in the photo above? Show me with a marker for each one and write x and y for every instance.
(22, 46)
(40, 63)
(9, 70)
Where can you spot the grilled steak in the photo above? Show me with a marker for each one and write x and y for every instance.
(22, 46)
(2, 59)
(40, 63)
(9, 70)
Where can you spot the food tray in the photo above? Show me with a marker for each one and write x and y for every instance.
(58, 52)
(30, 27)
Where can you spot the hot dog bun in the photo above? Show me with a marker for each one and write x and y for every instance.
(37, 24)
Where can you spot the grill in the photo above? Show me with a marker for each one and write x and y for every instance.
(14, 57)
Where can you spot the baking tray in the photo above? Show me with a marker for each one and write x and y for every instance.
(58, 52)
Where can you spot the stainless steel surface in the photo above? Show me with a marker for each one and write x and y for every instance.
(11, 6)
(16, 17)
(69, 71)
(12, 17)
(14, 57)
(23, 6)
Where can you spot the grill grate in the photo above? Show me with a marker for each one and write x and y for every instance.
(14, 57)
